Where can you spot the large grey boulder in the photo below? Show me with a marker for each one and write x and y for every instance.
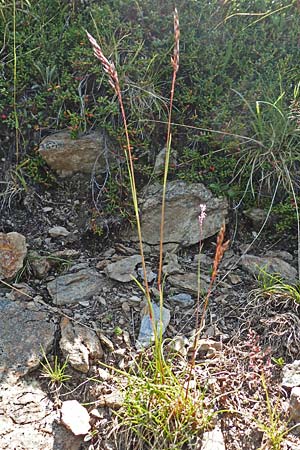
(68, 156)
(181, 213)
(23, 332)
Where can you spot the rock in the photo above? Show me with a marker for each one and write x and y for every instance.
(180, 345)
(270, 265)
(151, 276)
(28, 420)
(171, 264)
(294, 407)
(185, 300)
(257, 217)
(181, 214)
(282, 254)
(39, 264)
(123, 269)
(23, 332)
(146, 334)
(68, 156)
(75, 417)
(189, 282)
(21, 292)
(159, 166)
(213, 440)
(234, 278)
(12, 253)
(205, 260)
(75, 287)
(291, 374)
(79, 345)
(114, 400)
(209, 346)
(58, 231)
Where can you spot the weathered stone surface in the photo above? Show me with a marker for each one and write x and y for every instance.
(75, 287)
(294, 407)
(75, 417)
(213, 440)
(123, 269)
(159, 165)
(146, 334)
(68, 156)
(291, 374)
(181, 214)
(183, 300)
(27, 420)
(257, 217)
(79, 345)
(58, 231)
(12, 253)
(271, 265)
(22, 334)
(188, 282)
(39, 264)
(171, 264)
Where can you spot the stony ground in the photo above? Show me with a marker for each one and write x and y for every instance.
(74, 298)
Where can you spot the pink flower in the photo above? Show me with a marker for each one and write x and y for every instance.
(202, 215)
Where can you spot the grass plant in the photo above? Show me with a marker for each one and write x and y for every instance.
(274, 285)
(56, 372)
(160, 408)
(274, 426)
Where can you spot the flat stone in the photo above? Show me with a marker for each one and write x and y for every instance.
(23, 332)
(213, 440)
(184, 300)
(146, 333)
(68, 156)
(181, 223)
(12, 253)
(58, 231)
(294, 406)
(75, 417)
(79, 345)
(188, 282)
(151, 276)
(75, 287)
(171, 264)
(291, 374)
(270, 265)
(123, 269)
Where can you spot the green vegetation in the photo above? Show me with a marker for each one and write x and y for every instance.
(56, 372)
(236, 104)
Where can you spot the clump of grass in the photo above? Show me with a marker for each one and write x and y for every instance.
(161, 415)
(274, 285)
(56, 372)
(274, 426)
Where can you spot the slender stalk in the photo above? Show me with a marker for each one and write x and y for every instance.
(15, 82)
(175, 64)
(221, 248)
